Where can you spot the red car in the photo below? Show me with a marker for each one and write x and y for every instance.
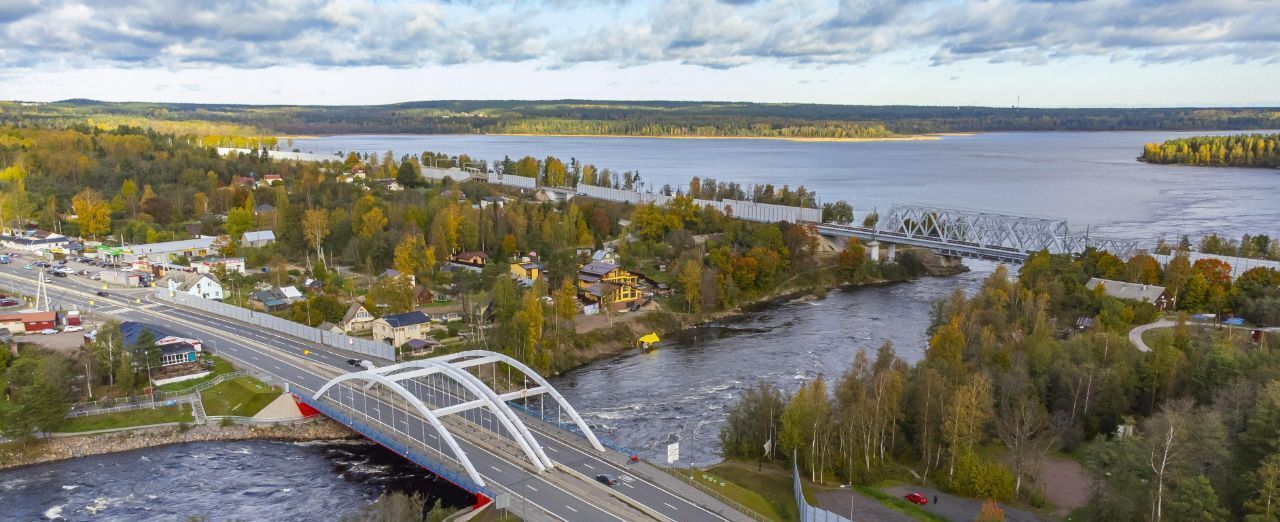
(916, 498)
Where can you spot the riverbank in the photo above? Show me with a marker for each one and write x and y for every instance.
(905, 137)
(52, 449)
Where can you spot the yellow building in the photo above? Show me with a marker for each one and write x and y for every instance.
(608, 284)
(526, 271)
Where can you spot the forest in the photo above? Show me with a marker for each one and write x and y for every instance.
(1236, 150)
(1186, 431)
(629, 118)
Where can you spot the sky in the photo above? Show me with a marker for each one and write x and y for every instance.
(1032, 53)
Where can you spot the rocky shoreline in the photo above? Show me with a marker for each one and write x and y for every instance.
(54, 449)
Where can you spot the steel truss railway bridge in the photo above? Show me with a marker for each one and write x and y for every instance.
(975, 233)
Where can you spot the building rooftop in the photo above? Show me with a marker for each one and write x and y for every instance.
(173, 246)
(406, 319)
(598, 268)
(1123, 290)
(260, 235)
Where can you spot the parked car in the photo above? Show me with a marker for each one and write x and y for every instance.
(608, 480)
(26, 267)
(48, 331)
(102, 293)
(5, 303)
(916, 498)
(73, 328)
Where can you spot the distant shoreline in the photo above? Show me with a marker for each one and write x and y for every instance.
(909, 137)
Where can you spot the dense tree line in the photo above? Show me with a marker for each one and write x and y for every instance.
(1254, 246)
(1236, 150)
(649, 118)
(1186, 431)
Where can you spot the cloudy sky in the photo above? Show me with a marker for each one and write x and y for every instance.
(946, 52)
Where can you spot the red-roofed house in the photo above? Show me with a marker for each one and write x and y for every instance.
(28, 322)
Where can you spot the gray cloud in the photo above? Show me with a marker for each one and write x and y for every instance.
(561, 33)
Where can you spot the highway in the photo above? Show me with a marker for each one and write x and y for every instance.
(308, 367)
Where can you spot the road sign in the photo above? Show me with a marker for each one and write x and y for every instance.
(673, 452)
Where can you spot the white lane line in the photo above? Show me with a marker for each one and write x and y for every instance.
(535, 490)
(553, 449)
(590, 467)
(671, 506)
(628, 484)
(495, 468)
(570, 508)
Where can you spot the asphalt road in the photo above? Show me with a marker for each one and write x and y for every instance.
(283, 357)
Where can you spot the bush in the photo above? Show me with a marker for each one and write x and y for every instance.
(979, 478)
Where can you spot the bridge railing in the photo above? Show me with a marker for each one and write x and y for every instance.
(399, 447)
(570, 427)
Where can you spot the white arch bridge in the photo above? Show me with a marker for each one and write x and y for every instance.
(425, 406)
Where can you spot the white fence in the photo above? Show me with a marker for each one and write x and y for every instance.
(284, 326)
(513, 181)
(748, 210)
(809, 513)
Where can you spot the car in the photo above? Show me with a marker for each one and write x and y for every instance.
(102, 293)
(82, 272)
(5, 303)
(73, 328)
(608, 480)
(916, 498)
(62, 261)
(48, 331)
(354, 362)
(26, 267)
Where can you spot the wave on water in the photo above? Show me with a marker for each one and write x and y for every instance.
(241, 451)
(71, 487)
(53, 513)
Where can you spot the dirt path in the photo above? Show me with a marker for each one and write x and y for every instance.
(1065, 483)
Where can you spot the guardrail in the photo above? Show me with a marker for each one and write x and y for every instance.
(693, 481)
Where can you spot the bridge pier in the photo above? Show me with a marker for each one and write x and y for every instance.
(889, 252)
(873, 248)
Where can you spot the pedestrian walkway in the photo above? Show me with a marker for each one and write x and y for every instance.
(1135, 335)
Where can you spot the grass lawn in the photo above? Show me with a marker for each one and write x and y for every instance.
(767, 492)
(220, 367)
(242, 396)
(143, 417)
(898, 504)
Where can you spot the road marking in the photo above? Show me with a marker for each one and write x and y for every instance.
(570, 508)
(535, 490)
(553, 449)
(628, 484)
(590, 467)
(495, 468)
(671, 506)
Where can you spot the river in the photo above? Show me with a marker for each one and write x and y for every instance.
(252, 480)
(681, 391)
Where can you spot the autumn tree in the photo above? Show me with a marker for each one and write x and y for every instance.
(92, 213)
(691, 285)
(315, 227)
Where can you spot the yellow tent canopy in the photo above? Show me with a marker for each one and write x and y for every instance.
(651, 338)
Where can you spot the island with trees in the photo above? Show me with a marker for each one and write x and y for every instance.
(1235, 150)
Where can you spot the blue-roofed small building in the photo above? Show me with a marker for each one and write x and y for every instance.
(397, 329)
(175, 358)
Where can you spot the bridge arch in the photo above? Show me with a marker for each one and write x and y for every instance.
(478, 357)
(417, 405)
(481, 391)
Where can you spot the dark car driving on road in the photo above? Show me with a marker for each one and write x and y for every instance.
(608, 480)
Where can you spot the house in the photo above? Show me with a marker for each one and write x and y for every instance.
(1156, 295)
(398, 329)
(356, 320)
(608, 284)
(313, 285)
(228, 264)
(258, 238)
(606, 255)
(194, 229)
(271, 179)
(264, 208)
(124, 278)
(28, 322)
(242, 181)
(177, 357)
(269, 300)
(330, 327)
(492, 201)
(525, 271)
(390, 184)
(200, 285)
(473, 260)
